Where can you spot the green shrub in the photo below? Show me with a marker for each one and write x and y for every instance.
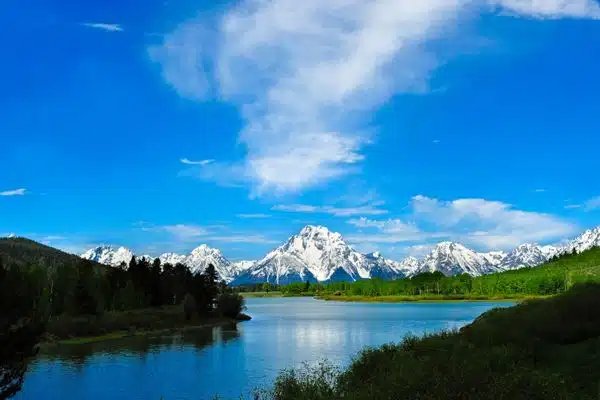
(230, 304)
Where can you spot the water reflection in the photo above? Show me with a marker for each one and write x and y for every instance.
(231, 360)
(139, 346)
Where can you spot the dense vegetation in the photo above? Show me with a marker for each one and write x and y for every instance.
(540, 349)
(551, 278)
(46, 291)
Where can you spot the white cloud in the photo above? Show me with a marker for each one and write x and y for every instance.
(306, 75)
(390, 231)
(199, 162)
(573, 206)
(491, 224)
(253, 216)
(53, 237)
(418, 250)
(368, 209)
(540, 190)
(15, 192)
(592, 204)
(103, 26)
(185, 232)
(436, 141)
(551, 9)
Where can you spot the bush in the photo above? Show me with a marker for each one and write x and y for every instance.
(231, 304)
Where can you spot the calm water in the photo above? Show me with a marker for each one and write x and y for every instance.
(284, 333)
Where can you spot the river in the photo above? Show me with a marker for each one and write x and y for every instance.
(229, 361)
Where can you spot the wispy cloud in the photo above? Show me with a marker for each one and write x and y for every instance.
(436, 141)
(390, 231)
(253, 216)
(483, 224)
(199, 162)
(331, 210)
(573, 206)
(185, 232)
(592, 204)
(103, 26)
(540, 190)
(492, 224)
(14, 192)
(305, 77)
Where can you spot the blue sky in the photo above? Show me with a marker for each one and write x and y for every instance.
(161, 125)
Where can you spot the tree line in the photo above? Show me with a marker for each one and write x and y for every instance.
(554, 277)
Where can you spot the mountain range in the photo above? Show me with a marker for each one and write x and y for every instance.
(316, 254)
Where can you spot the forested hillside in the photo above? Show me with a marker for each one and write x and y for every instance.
(65, 283)
(22, 251)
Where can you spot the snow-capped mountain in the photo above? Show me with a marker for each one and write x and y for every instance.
(452, 258)
(197, 260)
(585, 241)
(316, 254)
(526, 255)
(494, 258)
(109, 255)
(172, 258)
(243, 265)
(203, 255)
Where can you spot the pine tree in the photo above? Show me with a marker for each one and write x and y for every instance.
(211, 289)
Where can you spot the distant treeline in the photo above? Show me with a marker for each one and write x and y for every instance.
(553, 277)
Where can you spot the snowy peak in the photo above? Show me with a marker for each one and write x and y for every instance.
(585, 241)
(525, 255)
(316, 253)
(172, 258)
(109, 255)
(452, 258)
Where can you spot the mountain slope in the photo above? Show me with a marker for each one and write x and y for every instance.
(196, 261)
(316, 254)
(22, 251)
(109, 255)
(452, 258)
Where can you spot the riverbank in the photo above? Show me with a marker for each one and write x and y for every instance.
(423, 298)
(116, 325)
(541, 349)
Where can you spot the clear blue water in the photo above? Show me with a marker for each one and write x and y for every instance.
(284, 333)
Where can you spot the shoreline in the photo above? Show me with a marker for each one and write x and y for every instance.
(52, 341)
(395, 298)
(424, 299)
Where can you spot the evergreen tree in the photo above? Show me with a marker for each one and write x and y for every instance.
(211, 289)
(84, 301)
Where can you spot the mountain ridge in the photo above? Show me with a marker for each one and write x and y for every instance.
(317, 254)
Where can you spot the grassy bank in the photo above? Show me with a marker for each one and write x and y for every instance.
(539, 349)
(115, 325)
(261, 294)
(423, 298)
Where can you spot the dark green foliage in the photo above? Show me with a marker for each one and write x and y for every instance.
(540, 349)
(230, 304)
(189, 306)
(81, 297)
(22, 322)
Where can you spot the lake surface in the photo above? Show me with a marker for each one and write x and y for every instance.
(284, 333)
